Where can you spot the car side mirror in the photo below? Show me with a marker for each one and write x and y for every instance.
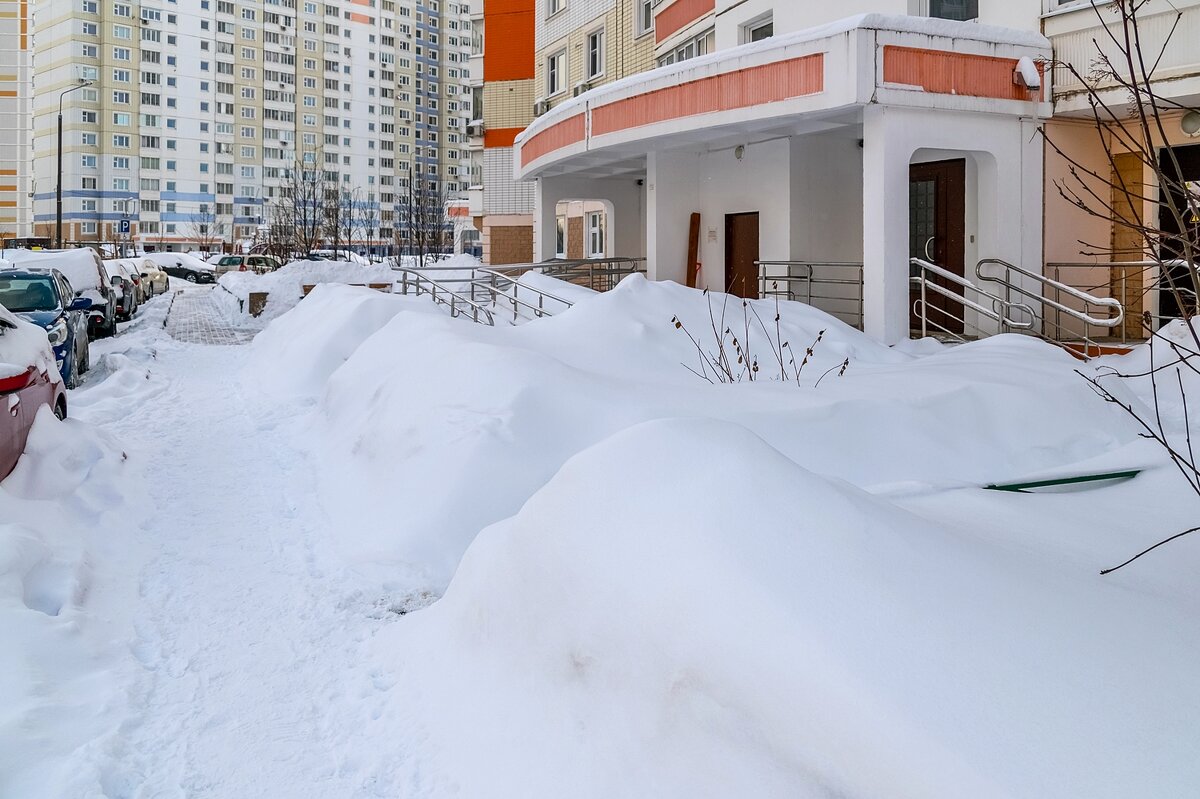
(80, 304)
(145, 274)
(115, 280)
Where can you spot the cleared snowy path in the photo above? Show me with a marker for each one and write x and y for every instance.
(252, 683)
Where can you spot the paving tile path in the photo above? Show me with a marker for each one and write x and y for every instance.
(195, 318)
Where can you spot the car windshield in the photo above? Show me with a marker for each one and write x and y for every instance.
(230, 261)
(31, 293)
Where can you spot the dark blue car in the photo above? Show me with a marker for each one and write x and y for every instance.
(46, 299)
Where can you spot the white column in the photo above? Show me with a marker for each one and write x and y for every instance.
(672, 195)
(545, 203)
(886, 155)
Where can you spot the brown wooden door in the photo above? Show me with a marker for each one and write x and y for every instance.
(741, 253)
(1126, 241)
(937, 222)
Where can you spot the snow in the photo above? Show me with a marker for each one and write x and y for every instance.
(80, 266)
(24, 344)
(383, 552)
(179, 259)
(285, 286)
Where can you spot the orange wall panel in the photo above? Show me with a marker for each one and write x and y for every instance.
(769, 83)
(953, 73)
(508, 40)
(500, 137)
(562, 134)
(678, 16)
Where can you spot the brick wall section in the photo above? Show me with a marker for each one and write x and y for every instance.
(575, 238)
(510, 245)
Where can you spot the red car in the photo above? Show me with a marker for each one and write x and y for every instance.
(29, 379)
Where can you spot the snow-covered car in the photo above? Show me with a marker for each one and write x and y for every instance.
(155, 279)
(125, 285)
(28, 381)
(47, 300)
(183, 265)
(85, 272)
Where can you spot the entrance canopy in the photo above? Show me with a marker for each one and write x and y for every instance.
(804, 82)
(799, 148)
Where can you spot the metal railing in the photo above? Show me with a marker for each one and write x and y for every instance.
(1013, 307)
(1050, 295)
(946, 322)
(835, 287)
(598, 274)
(1126, 282)
(506, 290)
(441, 291)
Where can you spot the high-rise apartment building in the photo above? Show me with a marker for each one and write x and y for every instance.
(196, 113)
(16, 180)
(537, 54)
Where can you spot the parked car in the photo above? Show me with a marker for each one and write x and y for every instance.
(156, 280)
(132, 280)
(28, 381)
(85, 272)
(247, 263)
(47, 300)
(125, 287)
(188, 267)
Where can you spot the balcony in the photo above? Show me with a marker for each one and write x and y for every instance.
(1076, 31)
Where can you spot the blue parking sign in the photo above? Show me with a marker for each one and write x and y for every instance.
(124, 225)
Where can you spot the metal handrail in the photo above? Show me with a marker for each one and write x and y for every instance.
(1059, 287)
(441, 293)
(601, 274)
(1000, 312)
(1125, 291)
(498, 285)
(767, 284)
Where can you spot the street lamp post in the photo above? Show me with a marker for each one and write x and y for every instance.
(58, 239)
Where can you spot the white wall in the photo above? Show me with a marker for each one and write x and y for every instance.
(760, 182)
(794, 15)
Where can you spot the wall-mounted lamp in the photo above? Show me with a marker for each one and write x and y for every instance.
(739, 152)
(1190, 124)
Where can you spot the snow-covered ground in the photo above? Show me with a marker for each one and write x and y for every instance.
(382, 552)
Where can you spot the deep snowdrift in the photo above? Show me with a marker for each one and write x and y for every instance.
(459, 424)
(770, 588)
(285, 287)
(754, 629)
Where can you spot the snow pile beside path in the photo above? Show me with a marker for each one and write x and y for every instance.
(751, 628)
(285, 287)
(459, 424)
(71, 490)
(298, 352)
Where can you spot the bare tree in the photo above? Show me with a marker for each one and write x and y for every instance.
(298, 217)
(204, 228)
(1129, 114)
(424, 228)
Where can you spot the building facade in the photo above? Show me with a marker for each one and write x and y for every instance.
(16, 87)
(793, 133)
(184, 122)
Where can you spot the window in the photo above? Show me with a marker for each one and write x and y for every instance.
(595, 54)
(962, 10)
(554, 6)
(556, 73)
(645, 17)
(560, 239)
(595, 234)
(758, 29)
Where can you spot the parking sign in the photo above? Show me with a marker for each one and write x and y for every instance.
(124, 225)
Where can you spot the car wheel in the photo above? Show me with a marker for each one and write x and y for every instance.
(191, 277)
(60, 409)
